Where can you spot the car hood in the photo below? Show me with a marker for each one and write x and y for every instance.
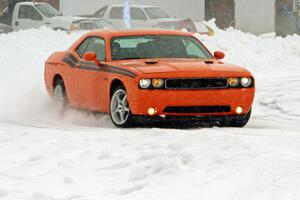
(66, 18)
(182, 67)
(168, 19)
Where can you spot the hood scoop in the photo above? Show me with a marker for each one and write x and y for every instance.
(151, 62)
(209, 62)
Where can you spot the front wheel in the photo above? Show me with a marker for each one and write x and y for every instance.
(119, 109)
(60, 97)
(238, 121)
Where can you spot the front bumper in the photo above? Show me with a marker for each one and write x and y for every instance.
(142, 100)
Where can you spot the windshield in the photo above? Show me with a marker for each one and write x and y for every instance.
(157, 46)
(156, 13)
(47, 10)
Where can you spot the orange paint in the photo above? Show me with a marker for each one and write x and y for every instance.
(88, 82)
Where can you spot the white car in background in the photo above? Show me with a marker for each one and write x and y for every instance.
(27, 15)
(34, 15)
(141, 15)
(187, 25)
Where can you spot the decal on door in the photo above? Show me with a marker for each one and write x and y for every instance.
(72, 61)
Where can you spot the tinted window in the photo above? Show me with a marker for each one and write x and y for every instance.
(47, 10)
(97, 45)
(156, 13)
(81, 49)
(100, 13)
(116, 13)
(137, 14)
(157, 46)
(193, 49)
(29, 12)
(93, 44)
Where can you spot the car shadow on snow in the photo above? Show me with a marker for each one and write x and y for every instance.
(175, 122)
(95, 119)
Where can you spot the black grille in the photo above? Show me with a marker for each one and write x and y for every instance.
(197, 109)
(203, 83)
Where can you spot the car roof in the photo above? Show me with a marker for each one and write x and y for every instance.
(133, 5)
(31, 3)
(132, 32)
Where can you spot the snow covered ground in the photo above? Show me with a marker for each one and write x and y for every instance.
(44, 156)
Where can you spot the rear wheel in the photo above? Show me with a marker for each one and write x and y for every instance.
(239, 121)
(119, 108)
(60, 97)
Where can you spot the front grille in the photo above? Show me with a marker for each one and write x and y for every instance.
(197, 109)
(199, 83)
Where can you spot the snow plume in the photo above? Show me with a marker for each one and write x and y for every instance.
(23, 93)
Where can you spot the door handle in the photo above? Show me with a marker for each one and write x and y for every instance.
(16, 23)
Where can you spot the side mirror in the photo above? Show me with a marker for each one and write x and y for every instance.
(92, 57)
(219, 55)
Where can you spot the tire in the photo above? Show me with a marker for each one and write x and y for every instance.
(120, 113)
(60, 96)
(238, 121)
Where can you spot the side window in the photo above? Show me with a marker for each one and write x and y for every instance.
(116, 13)
(82, 47)
(100, 13)
(97, 45)
(29, 12)
(137, 14)
(93, 44)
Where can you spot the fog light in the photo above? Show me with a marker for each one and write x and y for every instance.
(151, 111)
(233, 82)
(157, 83)
(239, 110)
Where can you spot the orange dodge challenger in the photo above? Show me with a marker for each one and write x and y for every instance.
(149, 73)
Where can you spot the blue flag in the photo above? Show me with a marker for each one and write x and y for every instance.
(126, 14)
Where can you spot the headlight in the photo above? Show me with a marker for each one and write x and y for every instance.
(145, 83)
(157, 83)
(233, 82)
(246, 82)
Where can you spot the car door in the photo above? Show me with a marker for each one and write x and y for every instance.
(88, 78)
(28, 17)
